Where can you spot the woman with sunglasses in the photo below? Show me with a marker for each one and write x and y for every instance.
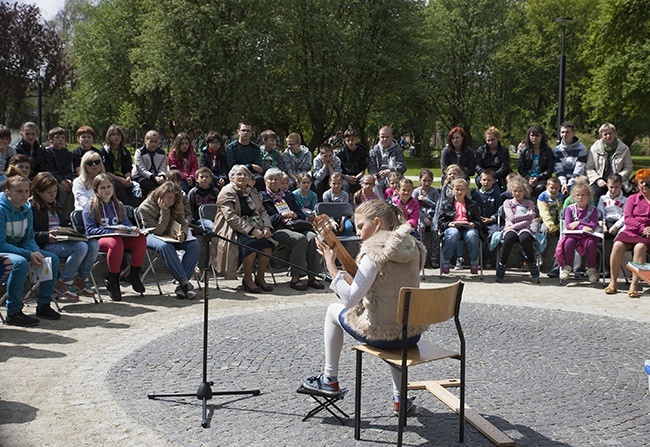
(82, 186)
(536, 160)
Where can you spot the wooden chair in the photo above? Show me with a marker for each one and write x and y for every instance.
(418, 307)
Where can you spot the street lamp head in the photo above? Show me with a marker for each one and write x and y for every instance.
(564, 20)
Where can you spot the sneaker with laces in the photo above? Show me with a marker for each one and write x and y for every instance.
(409, 405)
(64, 290)
(318, 383)
(593, 275)
(22, 320)
(84, 287)
(459, 263)
(565, 272)
(45, 311)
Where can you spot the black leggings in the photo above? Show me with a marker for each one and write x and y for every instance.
(525, 239)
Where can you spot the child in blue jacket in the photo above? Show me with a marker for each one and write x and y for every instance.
(18, 244)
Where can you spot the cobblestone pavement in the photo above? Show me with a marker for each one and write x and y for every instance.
(548, 365)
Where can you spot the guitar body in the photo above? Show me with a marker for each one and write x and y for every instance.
(323, 227)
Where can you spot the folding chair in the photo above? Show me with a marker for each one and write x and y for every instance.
(150, 268)
(419, 307)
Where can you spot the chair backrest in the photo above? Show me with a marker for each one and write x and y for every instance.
(77, 220)
(208, 211)
(430, 306)
(136, 217)
(334, 209)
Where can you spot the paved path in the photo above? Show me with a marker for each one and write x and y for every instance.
(548, 365)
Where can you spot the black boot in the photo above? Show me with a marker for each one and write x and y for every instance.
(501, 271)
(134, 279)
(112, 282)
(534, 272)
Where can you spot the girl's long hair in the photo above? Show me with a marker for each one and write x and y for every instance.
(176, 146)
(41, 183)
(391, 216)
(96, 204)
(168, 187)
(115, 129)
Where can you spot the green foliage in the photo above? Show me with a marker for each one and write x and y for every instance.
(318, 66)
(618, 56)
(26, 45)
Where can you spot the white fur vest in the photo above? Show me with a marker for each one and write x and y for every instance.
(401, 258)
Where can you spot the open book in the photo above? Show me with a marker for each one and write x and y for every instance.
(122, 230)
(172, 235)
(68, 234)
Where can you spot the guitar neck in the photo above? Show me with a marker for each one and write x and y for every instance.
(342, 254)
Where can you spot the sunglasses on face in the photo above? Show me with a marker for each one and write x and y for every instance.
(93, 162)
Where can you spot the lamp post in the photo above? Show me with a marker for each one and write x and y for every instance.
(39, 103)
(560, 106)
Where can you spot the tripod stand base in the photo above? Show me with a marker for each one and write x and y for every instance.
(205, 393)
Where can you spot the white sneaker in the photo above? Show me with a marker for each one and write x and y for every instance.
(593, 275)
(565, 272)
(459, 263)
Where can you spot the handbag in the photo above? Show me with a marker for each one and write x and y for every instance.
(298, 225)
(495, 239)
(255, 220)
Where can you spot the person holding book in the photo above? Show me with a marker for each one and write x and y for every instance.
(163, 211)
(80, 255)
(580, 221)
(102, 212)
(18, 244)
(635, 235)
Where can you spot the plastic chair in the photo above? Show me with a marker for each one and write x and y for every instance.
(419, 307)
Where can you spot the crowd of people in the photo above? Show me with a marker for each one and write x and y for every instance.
(265, 200)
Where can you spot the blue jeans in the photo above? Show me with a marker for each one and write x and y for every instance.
(81, 257)
(181, 271)
(452, 238)
(18, 278)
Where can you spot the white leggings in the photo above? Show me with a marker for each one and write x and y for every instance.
(333, 336)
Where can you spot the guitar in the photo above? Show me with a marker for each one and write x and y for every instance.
(323, 227)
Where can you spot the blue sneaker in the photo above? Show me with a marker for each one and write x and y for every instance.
(317, 383)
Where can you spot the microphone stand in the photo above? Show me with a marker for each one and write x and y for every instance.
(205, 391)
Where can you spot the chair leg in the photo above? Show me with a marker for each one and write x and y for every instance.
(2, 303)
(99, 296)
(153, 270)
(403, 398)
(357, 398)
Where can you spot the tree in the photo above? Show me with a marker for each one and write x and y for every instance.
(103, 92)
(528, 62)
(27, 45)
(460, 45)
(618, 57)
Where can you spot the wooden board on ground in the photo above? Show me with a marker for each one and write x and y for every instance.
(437, 388)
